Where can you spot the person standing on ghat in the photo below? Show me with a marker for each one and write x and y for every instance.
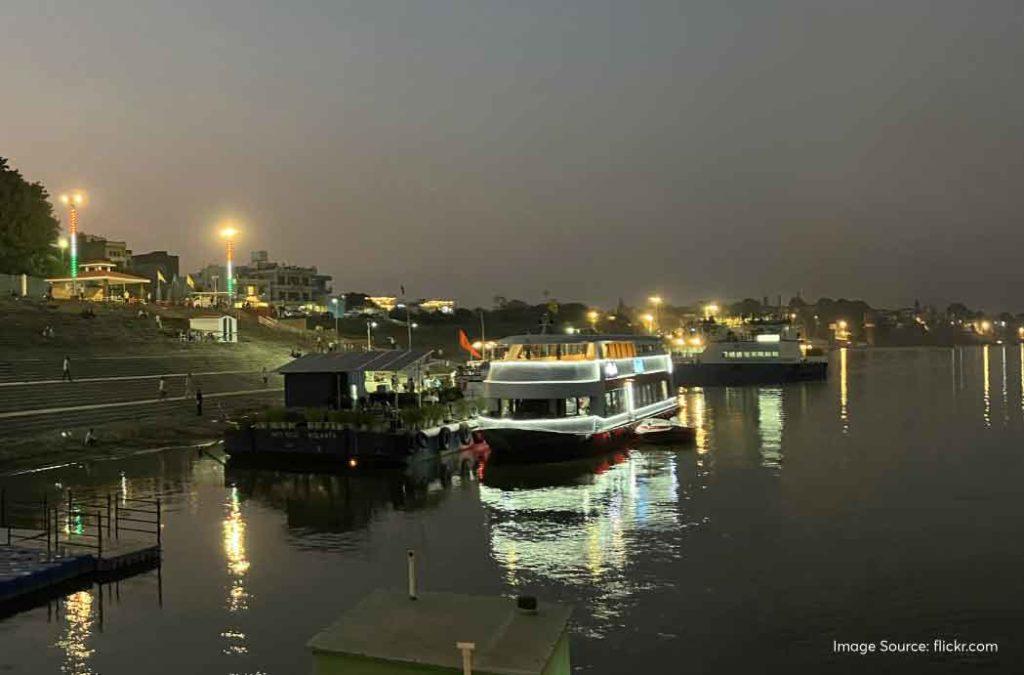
(66, 369)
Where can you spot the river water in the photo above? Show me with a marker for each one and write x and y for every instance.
(884, 504)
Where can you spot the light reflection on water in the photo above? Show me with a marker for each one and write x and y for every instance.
(584, 525)
(238, 566)
(76, 633)
(680, 552)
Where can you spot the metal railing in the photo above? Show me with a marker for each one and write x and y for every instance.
(78, 522)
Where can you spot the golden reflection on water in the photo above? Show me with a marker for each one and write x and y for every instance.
(1006, 407)
(986, 397)
(74, 639)
(844, 395)
(693, 413)
(238, 566)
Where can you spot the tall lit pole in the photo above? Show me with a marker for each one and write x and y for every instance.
(228, 234)
(408, 322)
(656, 302)
(62, 244)
(73, 200)
(337, 331)
(370, 325)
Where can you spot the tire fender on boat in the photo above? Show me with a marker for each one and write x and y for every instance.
(444, 438)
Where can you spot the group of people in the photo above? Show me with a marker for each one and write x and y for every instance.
(191, 387)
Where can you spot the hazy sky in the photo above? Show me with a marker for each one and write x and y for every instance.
(592, 148)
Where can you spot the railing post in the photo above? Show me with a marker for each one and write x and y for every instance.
(3, 507)
(99, 535)
(117, 520)
(56, 531)
(108, 515)
(69, 510)
(159, 523)
(46, 521)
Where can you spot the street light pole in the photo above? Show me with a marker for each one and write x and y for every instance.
(73, 201)
(337, 331)
(656, 301)
(483, 336)
(369, 338)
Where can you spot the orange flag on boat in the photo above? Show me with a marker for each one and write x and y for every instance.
(467, 345)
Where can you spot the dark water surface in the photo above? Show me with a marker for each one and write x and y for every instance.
(884, 504)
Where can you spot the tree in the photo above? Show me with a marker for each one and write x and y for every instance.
(28, 228)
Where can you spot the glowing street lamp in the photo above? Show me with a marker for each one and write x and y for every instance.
(592, 317)
(370, 325)
(655, 300)
(62, 244)
(710, 310)
(228, 234)
(73, 200)
(648, 320)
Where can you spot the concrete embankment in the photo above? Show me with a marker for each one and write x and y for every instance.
(116, 362)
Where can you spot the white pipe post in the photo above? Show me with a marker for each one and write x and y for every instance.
(467, 656)
(412, 574)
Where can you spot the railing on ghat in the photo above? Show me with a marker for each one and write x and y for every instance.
(88, 522)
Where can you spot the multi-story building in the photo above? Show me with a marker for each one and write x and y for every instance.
(94, 248)
(280, 284)
(148, 264)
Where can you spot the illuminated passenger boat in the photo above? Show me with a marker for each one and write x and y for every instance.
(553, 397)
(755, 354)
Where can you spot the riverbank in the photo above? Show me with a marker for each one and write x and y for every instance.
(118, 359)
(117, 439)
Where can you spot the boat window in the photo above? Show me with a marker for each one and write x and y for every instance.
(579, 405)
(753, 354)
(649, 393)
(539, 408)
(619, 350)
(614, 402)
(649, 348)
(577, 351)
(574, 351)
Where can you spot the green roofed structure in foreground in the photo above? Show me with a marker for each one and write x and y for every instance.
(388, 633)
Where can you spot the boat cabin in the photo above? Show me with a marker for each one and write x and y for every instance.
(591, 379)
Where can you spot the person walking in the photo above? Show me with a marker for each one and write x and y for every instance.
(263, 374)
(162, 388)
(66, 369)
(90, 438)
(199, 402)
(189, 383)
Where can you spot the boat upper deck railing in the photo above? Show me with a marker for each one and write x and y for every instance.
(580, 372)
(573, 348)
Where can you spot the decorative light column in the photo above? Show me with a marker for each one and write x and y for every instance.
(228, 234)
(73, 201)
